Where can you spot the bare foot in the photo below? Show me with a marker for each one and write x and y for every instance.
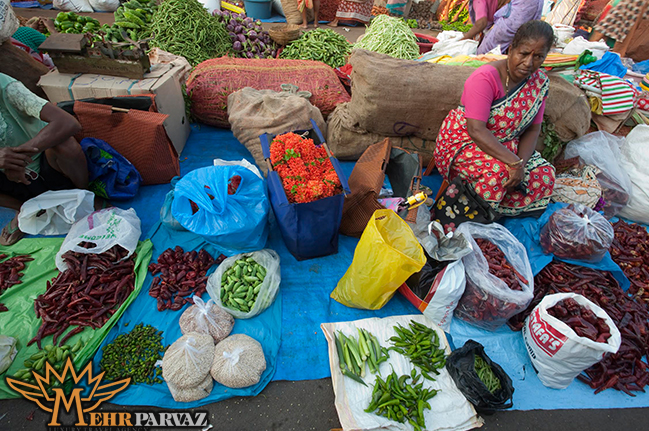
(333, 23)
(305, 25)
(10, 233)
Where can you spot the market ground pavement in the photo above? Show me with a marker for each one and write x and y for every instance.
(309, 405)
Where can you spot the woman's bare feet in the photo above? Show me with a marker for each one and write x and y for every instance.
(304, 25)
(333, 23)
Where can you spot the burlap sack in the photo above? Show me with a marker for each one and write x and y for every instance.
(255, 112)
(22, 67)
(348, 142)
(394, 97)
(294, 16)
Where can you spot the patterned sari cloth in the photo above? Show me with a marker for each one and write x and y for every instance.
(510, 116)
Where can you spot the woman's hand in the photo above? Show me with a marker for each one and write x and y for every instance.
(14, 158)
(17, 176)
(516, 176)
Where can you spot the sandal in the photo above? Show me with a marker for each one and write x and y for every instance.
(11, 235)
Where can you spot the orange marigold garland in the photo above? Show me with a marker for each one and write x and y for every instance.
(305, 170)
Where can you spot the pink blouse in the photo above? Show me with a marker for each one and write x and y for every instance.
(481, 89)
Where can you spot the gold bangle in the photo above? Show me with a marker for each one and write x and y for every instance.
(515, 164)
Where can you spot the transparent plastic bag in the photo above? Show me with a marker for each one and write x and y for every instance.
(239, 362)
(488, 302)
(166, 218)
(188, 360)
(603, 150)
(206, 318)
(267, 258)
(577, 232)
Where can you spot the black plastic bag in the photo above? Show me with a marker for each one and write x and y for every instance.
(461, 366)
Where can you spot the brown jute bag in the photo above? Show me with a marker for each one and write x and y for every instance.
(137, 135)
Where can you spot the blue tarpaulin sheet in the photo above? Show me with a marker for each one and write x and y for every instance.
(304, 303)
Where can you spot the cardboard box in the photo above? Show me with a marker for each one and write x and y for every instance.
(163, 81)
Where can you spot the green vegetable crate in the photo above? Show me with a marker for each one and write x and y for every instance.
(75, 53)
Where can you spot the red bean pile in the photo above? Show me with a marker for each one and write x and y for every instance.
(181, 276)
(581, 320)
(88, 293)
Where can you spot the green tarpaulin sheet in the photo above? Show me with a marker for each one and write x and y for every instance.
(20, 321)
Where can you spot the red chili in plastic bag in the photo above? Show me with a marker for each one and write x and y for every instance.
(580, 319)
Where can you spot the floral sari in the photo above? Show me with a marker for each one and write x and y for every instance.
(510, 116)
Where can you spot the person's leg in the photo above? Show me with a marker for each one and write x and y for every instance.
(316, 9)
(10, 234)
(333, 23)
(304, 21)
(68, 158)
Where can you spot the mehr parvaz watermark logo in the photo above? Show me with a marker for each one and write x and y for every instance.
(85, 399)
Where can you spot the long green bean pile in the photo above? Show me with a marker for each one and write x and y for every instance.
(321, 45)
(486, 374)
(390, 36)
(184, 27)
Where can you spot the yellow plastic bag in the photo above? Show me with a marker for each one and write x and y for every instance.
(387, 254)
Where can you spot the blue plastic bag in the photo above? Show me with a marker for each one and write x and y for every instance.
(234, 223)
(110, 175)
(309, 229)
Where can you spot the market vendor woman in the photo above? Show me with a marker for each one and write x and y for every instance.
(491, 138)
(37, 150)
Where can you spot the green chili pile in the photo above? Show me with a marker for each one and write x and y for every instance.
(320, 45)
(390, 36)
(184, 27)
(486, 374)
(421, 345)
(401, 400)
(134, 355)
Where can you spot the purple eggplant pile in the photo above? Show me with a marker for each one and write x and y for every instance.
(249, 40)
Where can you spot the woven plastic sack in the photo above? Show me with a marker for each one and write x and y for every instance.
(137, 135)
(557, 352)
(105, 229)
(603, 150)
(206, 318)
(212, 81)
(269, 259)
(187, 361)
(232, 222)
(386, 255)
(73, 5)
(577, 232)
(238, 361)
(104, 5)
(487, 301)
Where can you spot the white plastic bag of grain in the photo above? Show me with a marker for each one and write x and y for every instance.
(192, 394)
(556, 351)
(188, 360)
(8, 21)
(206, 318)
(104, 5)
(238, 361)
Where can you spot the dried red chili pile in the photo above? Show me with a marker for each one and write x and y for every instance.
(624, 370)
(630, 250)
(499, 266)
(581, 320)
(88, 293)
(10, 274)
(182, 275)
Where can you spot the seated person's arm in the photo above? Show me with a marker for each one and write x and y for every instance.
(479, 26)
(60, 127)
(488, 143)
